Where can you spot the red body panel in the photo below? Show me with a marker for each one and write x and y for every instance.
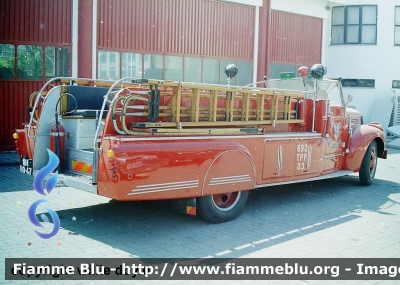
(24, 145)
(362, 135)
(166, 168)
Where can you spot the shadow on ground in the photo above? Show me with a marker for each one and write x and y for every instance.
(10, 177)
(153, 229)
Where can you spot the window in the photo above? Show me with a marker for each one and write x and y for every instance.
(211, 70)
(275, 70)
(244, 73)
(108, 65)
(7, 60)
(396, 84)
(397, 26)
(354, 25)
(173, 68)
(33, 62)
(170, 67)
(153, 66)
(57, 61)
(369, 83)
(132, 65)
(30, 62)
(289, 68)
(192, 69)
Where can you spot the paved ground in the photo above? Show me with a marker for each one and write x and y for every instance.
(331, 218)
(395, 143)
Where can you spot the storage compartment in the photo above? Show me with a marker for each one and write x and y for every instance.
(79, 132)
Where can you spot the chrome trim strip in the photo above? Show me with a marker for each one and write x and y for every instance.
(231, 177)
(161, 190)
(291, 138)
(333, 156)
(309, 154)
(294, 135)
(149, 188)
(169, 183)
(229, 180)
(279, 162)
(182, 186)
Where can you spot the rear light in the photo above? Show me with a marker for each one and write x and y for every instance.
(16, 143)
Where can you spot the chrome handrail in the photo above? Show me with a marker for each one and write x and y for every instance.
(95, 147)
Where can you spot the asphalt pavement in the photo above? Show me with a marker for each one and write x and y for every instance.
(335, 218)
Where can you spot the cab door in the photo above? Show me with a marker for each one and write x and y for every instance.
(285, 158)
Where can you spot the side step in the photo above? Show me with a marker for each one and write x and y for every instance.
(78, 181)
(326, 176)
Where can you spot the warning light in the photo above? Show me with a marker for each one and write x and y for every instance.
(110, 153)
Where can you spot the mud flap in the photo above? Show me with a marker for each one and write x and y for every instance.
(184, 206)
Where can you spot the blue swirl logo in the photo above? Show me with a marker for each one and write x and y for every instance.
(38, 185)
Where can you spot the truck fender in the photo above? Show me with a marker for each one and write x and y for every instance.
(362, 136)
(230, 171)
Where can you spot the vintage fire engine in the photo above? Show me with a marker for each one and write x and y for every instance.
(205, 144)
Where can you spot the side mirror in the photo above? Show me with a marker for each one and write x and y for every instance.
(349, 99)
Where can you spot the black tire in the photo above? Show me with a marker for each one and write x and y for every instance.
(222, 207)
(368, 165)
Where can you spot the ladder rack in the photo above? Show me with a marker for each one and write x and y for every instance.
(172, 107)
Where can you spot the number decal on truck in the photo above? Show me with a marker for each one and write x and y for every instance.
(303, 157)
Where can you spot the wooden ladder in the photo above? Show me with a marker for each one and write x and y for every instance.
(179, 107)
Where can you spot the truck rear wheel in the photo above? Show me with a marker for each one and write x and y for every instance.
(221, 208)
(368, 165)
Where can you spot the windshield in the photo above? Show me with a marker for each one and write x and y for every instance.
(297, 84)
(330, 89)
(326, 88)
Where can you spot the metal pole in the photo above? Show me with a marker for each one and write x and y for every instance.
(315, 102)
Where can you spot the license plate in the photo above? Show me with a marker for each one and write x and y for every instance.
(26, 166)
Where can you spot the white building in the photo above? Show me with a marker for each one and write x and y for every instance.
(361, 44)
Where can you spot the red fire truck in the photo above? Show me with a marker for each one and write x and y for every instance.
(144, 139)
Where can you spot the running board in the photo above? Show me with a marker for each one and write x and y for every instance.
(81, 182)
(327, 176)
